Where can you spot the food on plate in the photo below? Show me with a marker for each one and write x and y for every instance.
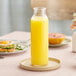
(56, 38)
(7, 46)
(73, 27)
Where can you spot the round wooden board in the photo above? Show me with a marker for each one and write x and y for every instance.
(52, 65)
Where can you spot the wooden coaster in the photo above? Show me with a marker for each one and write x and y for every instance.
(52, 65)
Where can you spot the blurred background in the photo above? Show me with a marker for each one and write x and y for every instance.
(15, 16)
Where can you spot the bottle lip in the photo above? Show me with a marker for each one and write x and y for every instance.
(44, 8)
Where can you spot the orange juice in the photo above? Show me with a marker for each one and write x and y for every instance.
(39, 40)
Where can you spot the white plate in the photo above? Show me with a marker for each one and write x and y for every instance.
(22, 43)
(65, 42)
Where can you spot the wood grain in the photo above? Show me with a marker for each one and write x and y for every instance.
(39, 3)
(57, 9)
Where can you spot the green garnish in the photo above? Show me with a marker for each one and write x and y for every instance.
(18, 47)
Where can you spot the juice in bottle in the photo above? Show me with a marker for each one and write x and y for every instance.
(39, 38)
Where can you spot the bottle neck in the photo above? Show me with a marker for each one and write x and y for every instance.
(39, 11)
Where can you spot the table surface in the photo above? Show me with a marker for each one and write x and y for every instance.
(9, 66)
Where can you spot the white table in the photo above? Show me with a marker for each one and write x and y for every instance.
(9, 66)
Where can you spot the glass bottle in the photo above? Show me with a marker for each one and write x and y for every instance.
(39, 37)
(73, 26)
